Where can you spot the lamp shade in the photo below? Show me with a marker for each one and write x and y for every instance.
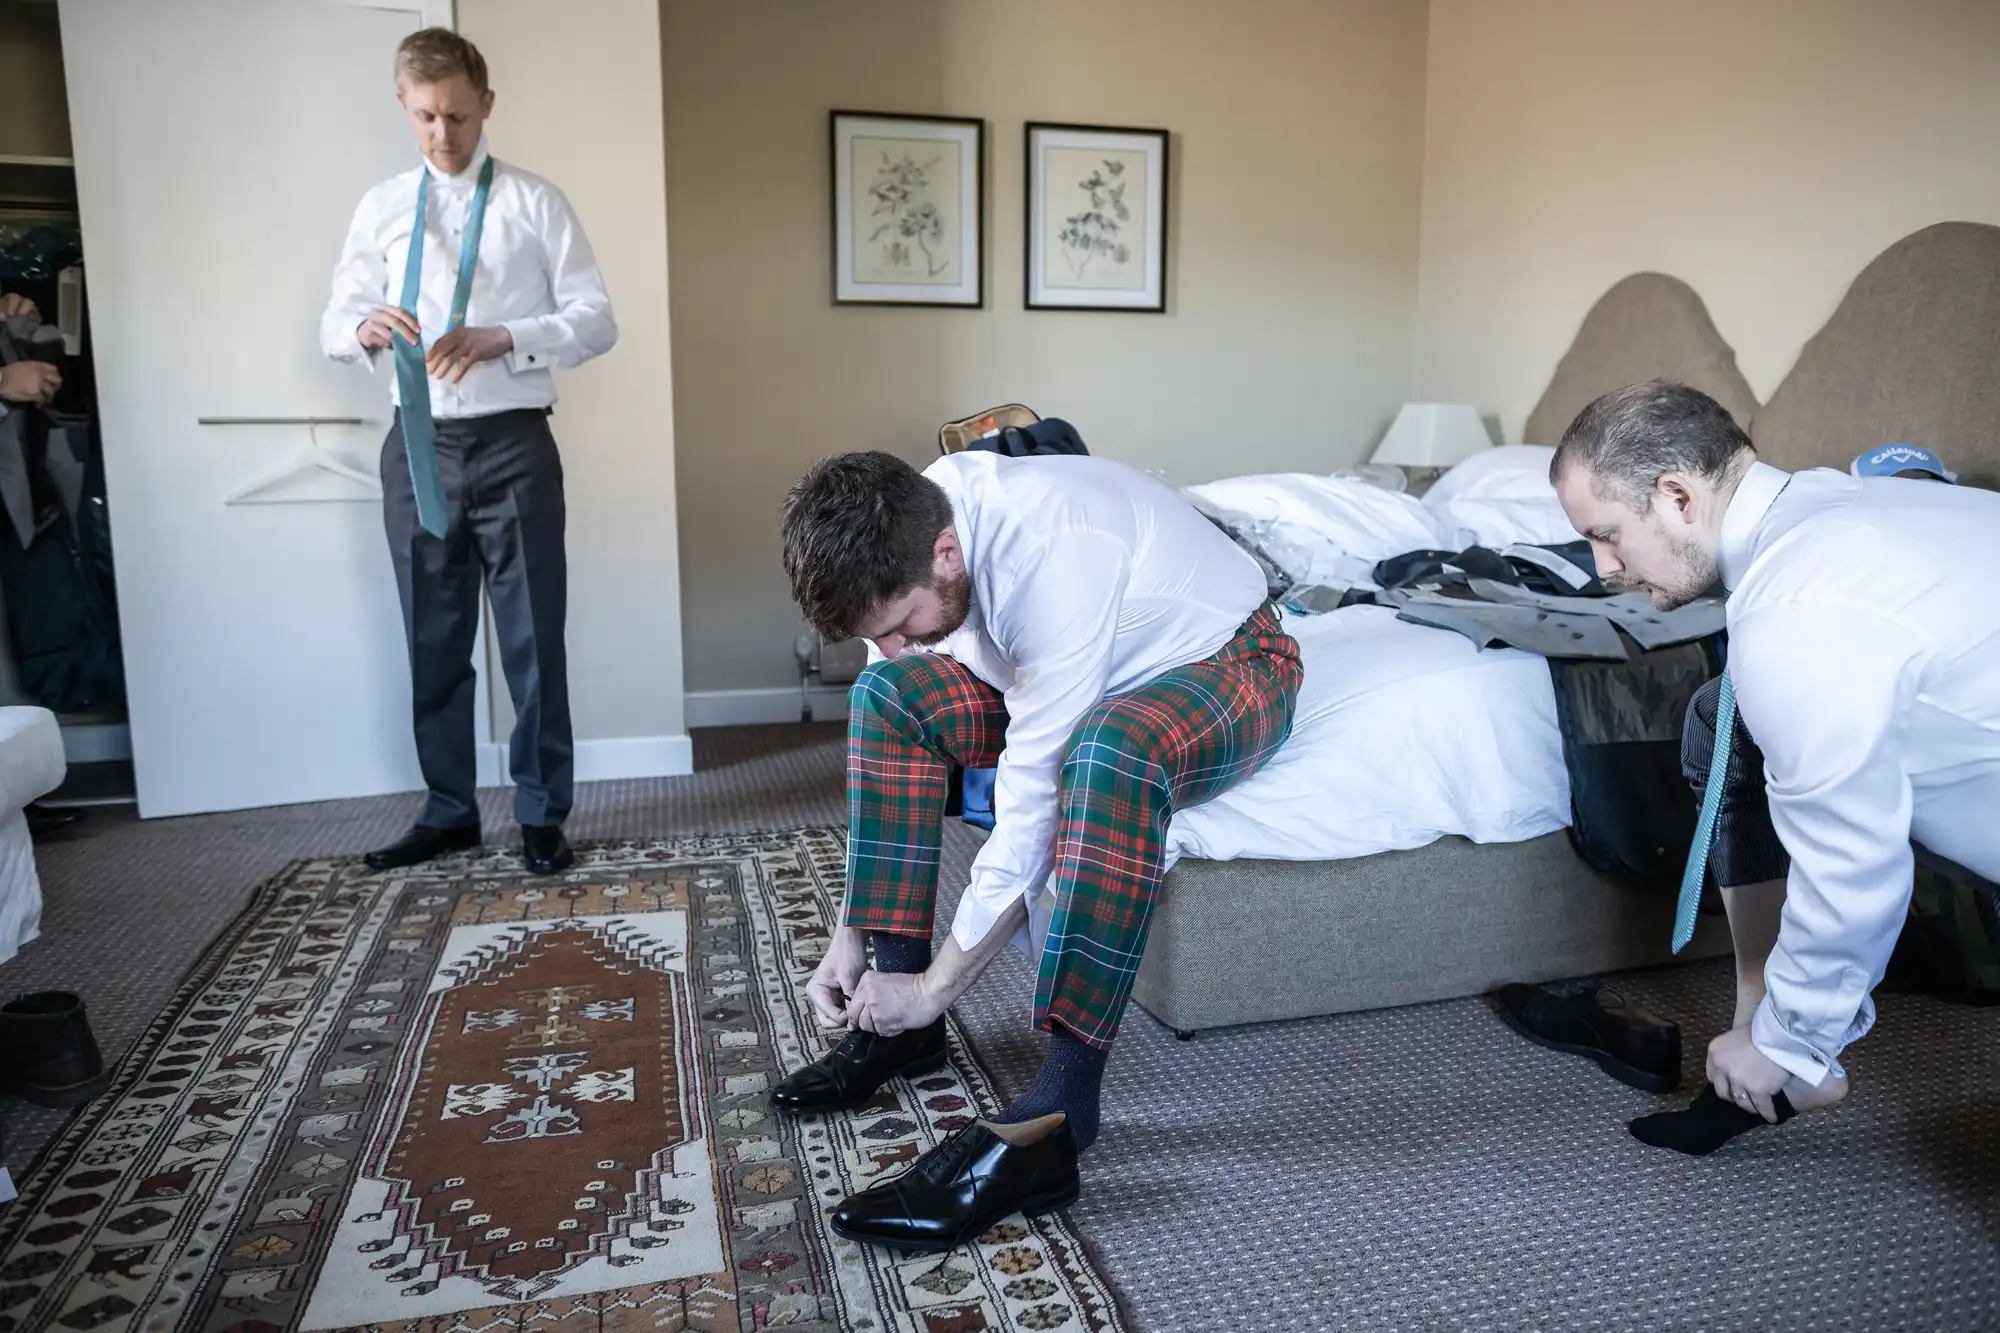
(1433, 435)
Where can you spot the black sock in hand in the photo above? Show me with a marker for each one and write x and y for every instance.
(1706, 1124)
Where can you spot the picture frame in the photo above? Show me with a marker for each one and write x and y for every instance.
(1096, 229)
(909, 203)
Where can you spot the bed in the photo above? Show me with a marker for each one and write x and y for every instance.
(1409, 845)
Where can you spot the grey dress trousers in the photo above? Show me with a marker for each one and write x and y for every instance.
(503, 484)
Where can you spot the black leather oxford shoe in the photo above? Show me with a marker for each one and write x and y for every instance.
(1596, 1022)
(48, 1054)
(849, 1074)
(421, 844)
(546, 849)
(958, 1189)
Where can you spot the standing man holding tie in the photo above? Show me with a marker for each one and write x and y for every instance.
(502, 290)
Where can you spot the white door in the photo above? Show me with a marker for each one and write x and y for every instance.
(221, 146)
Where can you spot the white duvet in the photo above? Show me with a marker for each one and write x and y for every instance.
(1403, 734)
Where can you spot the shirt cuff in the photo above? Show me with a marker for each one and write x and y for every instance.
(345, 345)
(531, 350)
(1795, 1055)
(977, 912)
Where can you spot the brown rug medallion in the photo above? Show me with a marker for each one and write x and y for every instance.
(457, 1100)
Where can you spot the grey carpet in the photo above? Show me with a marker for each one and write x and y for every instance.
(1410, 1168)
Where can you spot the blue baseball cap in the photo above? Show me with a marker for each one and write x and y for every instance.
(1890, 459)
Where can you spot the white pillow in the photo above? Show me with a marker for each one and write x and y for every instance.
(1502, 496)
(1512, 471)
(1322, 529)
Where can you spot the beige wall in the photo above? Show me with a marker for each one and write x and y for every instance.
(1297, 155)
(579, 102)
(1764, 152)
(34, 116)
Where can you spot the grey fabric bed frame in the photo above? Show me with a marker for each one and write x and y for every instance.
(1911, 355)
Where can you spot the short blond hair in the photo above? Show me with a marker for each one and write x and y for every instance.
(432, 55)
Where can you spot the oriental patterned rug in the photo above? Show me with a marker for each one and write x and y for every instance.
(459, 1100)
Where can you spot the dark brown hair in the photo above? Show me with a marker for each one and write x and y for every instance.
(432, 55)
(1631, 437)
(860, 530)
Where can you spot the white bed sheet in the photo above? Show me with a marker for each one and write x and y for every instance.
(1403, 734)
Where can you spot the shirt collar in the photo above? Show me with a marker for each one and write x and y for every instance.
(1753, 499)
(469, 176)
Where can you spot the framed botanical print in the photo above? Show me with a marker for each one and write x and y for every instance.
(909, 195)
(1097, 218)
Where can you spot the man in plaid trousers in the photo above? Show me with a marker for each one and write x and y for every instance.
(1114, 654)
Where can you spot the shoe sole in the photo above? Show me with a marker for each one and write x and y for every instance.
(1047, 1203)
(57, 1098)
(930, 1064)
(1609, 1063)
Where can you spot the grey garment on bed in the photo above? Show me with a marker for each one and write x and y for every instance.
(1545, 633)
(1558, 627)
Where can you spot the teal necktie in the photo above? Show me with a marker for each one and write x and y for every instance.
(1711, 807)
(412, 381)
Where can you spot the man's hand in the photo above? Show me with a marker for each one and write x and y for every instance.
(377, 331)
(1745, 1075)
(32, 382)
(837, 975)
(13, 303)
(462, 349)
(890, 1003)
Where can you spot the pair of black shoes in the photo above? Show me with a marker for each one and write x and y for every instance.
(544, 847)
(48, 1054)
(960, 1188)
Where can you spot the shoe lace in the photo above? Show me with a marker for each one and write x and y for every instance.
(854, 1047)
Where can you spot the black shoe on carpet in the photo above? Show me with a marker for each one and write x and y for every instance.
(1706, 1124)
(546, 849)
(960, 1188)
(849, 1074)
(48, 821)
(422, 843)
(48, 1054)
(1588, 1019)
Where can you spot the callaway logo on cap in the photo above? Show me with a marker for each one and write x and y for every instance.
(1890, 459)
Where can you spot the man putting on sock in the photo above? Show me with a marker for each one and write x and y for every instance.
(1864, 656)
(1114, 654)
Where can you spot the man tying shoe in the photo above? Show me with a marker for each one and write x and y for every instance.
(500, 289)
(1864, 656)
(1113, 653)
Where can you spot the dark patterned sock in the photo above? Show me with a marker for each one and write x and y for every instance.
(1706, 1124)
(900, 953)
(1071, 1080)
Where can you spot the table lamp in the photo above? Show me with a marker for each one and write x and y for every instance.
(1430, 437)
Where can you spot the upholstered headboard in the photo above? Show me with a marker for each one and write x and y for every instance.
(1911, 356)
(1648, 326)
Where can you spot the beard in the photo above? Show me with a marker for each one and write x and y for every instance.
(1692, 573)
(955, 604)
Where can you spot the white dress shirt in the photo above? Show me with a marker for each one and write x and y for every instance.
(1089, 579)
(536, 278)
(1864, 643)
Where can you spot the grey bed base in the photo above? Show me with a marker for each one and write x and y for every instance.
(1252, 941)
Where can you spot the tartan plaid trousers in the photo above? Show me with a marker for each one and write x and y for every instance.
(1182, 738)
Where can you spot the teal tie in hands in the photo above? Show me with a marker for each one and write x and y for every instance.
(412, 379)
(1711, 808)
